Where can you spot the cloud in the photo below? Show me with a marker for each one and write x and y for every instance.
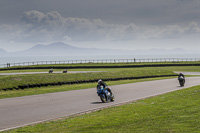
(39, 27)
(33, 17)
(171, 31)
(192, 28)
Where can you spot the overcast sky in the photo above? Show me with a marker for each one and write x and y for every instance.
(117, 24)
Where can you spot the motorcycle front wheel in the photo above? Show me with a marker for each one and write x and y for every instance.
(103, 98)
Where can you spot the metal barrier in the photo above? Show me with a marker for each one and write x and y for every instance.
(134, 60)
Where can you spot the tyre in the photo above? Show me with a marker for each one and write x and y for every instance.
(112, 99)
(103, 98)
(181, 82)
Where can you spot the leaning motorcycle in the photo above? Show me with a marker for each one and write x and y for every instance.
(104, 94)
(181, 81)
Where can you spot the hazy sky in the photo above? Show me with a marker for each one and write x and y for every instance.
(118, 24)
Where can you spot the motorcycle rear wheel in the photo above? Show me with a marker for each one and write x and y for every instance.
(112, 98)
(181, 83)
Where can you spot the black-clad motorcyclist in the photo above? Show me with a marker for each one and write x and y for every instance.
(181, 74)
(183, 77)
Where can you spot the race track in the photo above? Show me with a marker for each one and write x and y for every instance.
(21, 73)
(20, 111)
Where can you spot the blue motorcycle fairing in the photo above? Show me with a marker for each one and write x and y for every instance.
(103, 92)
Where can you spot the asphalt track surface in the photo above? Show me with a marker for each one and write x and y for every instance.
(21, 111)
(189, 73)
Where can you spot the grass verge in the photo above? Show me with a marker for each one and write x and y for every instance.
(172, 112)
(12, 81)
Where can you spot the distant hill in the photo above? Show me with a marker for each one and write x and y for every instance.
(62, 49)
(51, 49)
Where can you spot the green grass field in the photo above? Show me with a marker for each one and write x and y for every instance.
(176, 112)
(16, 80)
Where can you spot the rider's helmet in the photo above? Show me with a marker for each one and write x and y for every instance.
(100, 81)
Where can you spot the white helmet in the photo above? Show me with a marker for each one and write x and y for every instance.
(99, 81)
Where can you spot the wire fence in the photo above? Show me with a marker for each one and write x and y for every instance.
(134, 60)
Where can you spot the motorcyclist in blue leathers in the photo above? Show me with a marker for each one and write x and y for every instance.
(101, 83)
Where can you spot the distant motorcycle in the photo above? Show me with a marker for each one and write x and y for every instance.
(104, 94)
(181, 81)
(65, 71)
(51, 70)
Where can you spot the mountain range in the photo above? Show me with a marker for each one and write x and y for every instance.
(63, 49)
